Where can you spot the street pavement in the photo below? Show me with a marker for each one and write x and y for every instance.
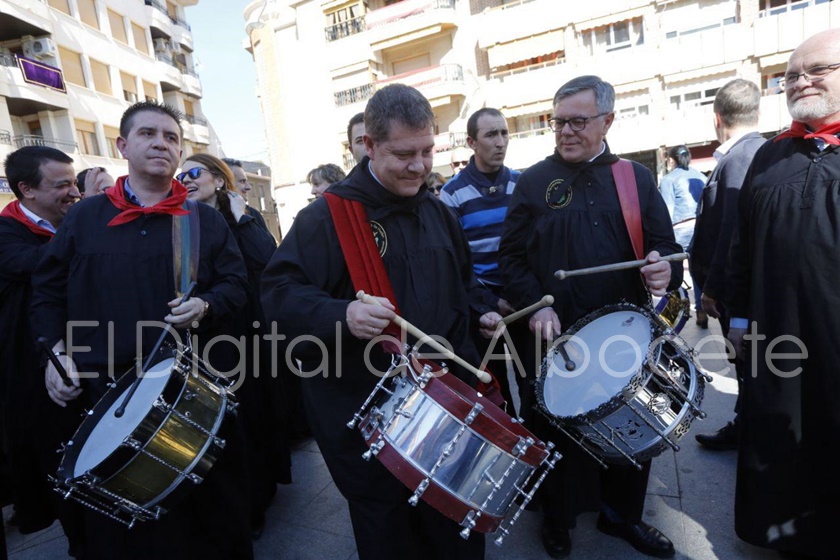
(690, 498)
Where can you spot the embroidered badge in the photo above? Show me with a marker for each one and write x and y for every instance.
(556, 196)
(379, 237)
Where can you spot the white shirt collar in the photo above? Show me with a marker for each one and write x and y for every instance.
(37, 220)
(726, 146)
(603, 149)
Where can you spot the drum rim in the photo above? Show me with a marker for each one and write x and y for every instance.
(616, 401)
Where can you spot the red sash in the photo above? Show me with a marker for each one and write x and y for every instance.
(798, 130)
(169, 205)
(14, 211)
(628, 197)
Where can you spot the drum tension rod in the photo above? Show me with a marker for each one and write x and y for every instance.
(121, 410)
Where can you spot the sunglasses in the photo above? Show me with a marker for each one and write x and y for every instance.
(460, 163)
(193, 174)
(433, 189)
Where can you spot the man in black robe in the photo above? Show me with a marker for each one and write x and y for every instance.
(736, 126)
(44, 183)
(784, 302)
(307, 290)
(123, 244)
(565, 214)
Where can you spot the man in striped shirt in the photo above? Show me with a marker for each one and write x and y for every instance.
(479, 196)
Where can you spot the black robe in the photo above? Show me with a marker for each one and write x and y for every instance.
(124, 275)
(307, 288)
(784, 268)
(33, 426)
(585, 228)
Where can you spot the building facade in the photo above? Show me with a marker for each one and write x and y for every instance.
(318, 61)
(69, 68)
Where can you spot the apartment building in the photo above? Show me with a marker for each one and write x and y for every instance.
(318, 61)
(69, 68)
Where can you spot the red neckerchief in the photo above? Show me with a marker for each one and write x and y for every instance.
(13, 210)
(798, 130)
(169, 205)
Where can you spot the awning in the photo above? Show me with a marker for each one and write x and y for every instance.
(716, 70)
(537, 107)
(778, 59)
(526, 48)
(611, 18)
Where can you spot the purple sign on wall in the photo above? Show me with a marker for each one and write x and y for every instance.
(4, 186)
(35, 72)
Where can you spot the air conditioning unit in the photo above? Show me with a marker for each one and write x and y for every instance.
(161, 45)
(43, 47)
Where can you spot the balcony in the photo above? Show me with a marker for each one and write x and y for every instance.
(521, 20)
(42, 88)
(32, 140)
(193, 119)
(345, 29)
(780, 31)
(24, 17)
(527, 147)
(435, 82)
(5, 137)
(409, 21)
(354, 95)
(162, 9)
(708, 48)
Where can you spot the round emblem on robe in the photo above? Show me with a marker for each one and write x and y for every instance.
(556, 196)
(379, 237)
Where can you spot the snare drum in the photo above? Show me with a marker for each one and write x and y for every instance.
(634, 391)
(135, 467)
(674, 308)
(453, 447)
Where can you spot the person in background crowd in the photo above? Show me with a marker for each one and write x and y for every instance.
(356, 136)
(93, 181)
(323, 176)
(434, 182)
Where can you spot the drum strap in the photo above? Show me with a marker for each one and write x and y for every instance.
(628, 197)
(186, 248)
(367, 271)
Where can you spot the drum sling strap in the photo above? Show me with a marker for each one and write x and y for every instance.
(628, 197)
(367, 271)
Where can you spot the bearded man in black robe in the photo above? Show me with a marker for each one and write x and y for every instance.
(784, 265)
(307, 290)
(565, 214)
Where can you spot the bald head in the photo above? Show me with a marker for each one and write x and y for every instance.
(815, 99)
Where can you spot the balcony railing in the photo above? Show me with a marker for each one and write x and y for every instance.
(450, 140)
(354, 95)
(193, 119)
(790, 7)
(509, 5)
(183, 69)
(8, 60)
(528, 133)
(530, 68)
(33, 140)
(5, 137)
(404, 10)
(174, 19)
(349, 161)
(427, 76)
(345, 28)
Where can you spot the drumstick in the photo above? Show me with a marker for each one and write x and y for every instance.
(420, 335)
(563, 274)
(54, 359)
(544, 302)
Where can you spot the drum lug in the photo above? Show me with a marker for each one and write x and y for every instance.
(374, 450)
(522, 447)
(194, 478)
(468, 523)
(476, 410)
(415, 498)
(231, 407)
(162, 405)
(132, 443)
(219, 442)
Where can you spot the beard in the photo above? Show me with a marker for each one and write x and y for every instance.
(814, 108)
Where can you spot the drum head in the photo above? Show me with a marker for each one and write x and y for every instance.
(110, 431)
(608, 352)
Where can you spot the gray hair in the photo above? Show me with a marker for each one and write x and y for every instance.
(604, 92)
(396, 103)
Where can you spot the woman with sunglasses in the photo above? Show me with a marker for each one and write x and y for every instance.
(208, 179)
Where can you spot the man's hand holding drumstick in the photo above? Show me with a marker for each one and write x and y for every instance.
(368, 320)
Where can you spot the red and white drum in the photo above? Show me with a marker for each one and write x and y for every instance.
(458, 451)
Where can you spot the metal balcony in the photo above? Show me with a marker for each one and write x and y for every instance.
(33, 140)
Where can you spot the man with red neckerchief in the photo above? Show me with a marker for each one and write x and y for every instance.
(44, 183)
(122, 243)
(783, 270)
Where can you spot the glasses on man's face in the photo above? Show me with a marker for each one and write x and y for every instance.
(459, 164)
(193, 174)
(812, 74)
(575, 123)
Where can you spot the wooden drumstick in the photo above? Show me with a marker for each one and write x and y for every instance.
(544, 302)
(563, 274)
(420, 335)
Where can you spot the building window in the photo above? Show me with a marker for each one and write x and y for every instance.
(776, 7)
(86, 136)
(345, 21)
(693, 98)
(117, 27)
(129, 86)
(613, 37)
(139, 38)
(149, 91)
(87, 13)
(530, 122)
(101, 77)
(632, 112)
(773, 83)
(60, 5)
(111, 135)
(71, 65)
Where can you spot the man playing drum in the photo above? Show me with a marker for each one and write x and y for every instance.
(123, 244)
(307, 290)
(566, 214)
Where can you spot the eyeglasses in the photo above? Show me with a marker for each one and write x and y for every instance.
(460, 163)
(433, 189)
(815, 73)
(575, 123)
(193, 174)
